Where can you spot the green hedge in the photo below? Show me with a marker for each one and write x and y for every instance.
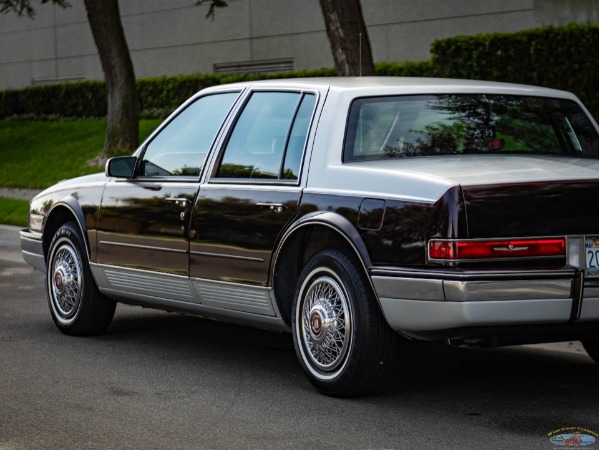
(83, 99)
(157, 96)
(558, 57)
(405, 69)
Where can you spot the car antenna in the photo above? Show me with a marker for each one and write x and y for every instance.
(360, 51)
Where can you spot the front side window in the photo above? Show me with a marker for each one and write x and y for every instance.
(410, 126)
(180, 149)
(269, 137)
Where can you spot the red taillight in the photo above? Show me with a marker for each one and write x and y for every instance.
(508, 248)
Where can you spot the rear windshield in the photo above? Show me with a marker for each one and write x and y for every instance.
(410, 126)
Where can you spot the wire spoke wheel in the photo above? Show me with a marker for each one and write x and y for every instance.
(326, 323)
(341, 339)
(76, 305)
(65, 281)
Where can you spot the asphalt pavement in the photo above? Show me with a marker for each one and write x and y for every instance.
(157, 380)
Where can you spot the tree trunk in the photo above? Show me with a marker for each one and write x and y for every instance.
(122, 127)
(348, 37)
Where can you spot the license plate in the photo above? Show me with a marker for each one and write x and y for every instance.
(591, 249)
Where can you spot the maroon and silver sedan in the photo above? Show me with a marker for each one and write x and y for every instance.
(355, 213)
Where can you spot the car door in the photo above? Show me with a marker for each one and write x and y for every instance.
(253, 191)
(143, 225)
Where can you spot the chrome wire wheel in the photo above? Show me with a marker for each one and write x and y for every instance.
(65, 281)
(76, 304)
(341, 339)
(325, 324)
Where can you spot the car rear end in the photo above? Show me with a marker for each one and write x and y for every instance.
(510, 252)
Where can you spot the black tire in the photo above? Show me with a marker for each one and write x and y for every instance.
(76, 305)
(342, 342)
(592, 348)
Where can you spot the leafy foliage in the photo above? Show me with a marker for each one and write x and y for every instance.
(405, 69)
(213, 5)
(23, 7)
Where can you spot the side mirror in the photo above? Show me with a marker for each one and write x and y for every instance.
(120, 167)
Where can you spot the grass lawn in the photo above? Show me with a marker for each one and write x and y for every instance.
(39, 154)
(13, 212)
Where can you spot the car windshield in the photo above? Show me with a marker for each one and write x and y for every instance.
(410, 126)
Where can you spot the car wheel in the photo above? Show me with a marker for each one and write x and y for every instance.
(341, 339)
(592, 349)
(76, 304)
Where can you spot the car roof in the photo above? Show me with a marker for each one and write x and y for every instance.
(404, 85)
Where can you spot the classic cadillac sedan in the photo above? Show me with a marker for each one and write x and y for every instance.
(352, 212)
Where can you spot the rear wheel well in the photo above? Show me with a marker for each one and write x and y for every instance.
(296, 251)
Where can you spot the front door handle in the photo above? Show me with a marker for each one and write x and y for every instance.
(180, 201)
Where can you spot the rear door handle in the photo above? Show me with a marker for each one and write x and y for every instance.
(276, 207)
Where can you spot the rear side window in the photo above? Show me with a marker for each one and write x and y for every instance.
(411, 126)
(268, 139)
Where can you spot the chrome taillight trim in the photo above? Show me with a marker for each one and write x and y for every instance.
(498, 258)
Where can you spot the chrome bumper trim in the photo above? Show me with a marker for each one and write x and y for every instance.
(415, 315)
(32, 249)
(428, 300)
(463, 290)
(589, 310)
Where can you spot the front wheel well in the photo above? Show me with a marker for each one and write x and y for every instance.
(58, 217)
(295, 253)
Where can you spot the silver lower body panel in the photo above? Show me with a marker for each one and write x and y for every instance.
(421, 301)
(231, 302)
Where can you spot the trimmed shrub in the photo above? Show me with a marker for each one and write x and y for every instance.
(158, 96)
(405, 69)
(557, 57)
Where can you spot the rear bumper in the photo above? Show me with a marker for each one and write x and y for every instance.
(417, 301)
(32, 249)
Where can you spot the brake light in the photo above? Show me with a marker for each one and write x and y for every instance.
(504, 248)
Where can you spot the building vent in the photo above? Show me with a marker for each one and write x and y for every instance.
(56, 80)
(263, 66)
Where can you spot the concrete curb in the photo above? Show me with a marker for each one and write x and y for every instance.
(18, 193)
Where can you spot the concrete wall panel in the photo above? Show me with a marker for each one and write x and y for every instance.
(174, 37)
(560, 12)
(85, 67)
(16, 47)
(411, 41)
(75, 39)
(44, 17)
(17, 74)
(185, 59)
(393, 11)
(41, 70)
(285, 17)
(65, 16)
(311, 50)
(42, 44)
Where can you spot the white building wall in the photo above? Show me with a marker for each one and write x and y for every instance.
(174, 37)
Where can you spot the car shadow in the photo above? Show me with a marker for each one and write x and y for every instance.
(523, 390)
